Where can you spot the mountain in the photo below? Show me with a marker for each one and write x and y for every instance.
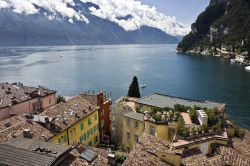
(63, 22)
(224, 23)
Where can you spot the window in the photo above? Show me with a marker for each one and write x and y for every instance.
(95, 116)
(59, 140)
(94, 129)
(128, 122)
(128, 136)
(65, 138)
(96, 139)
(90, 143)
(91, 131)
(152, 130)
(84, 137)
(81, 139)
(97, 127)
(136, 138)
(81, 126)
(102, 123)
(89, 121)
(136, 124)
(88, 133)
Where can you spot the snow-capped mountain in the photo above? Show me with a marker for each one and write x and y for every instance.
(41, 22)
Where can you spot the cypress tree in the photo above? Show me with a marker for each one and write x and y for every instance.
(134, 90)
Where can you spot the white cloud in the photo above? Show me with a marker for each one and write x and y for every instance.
(54, 6)
(142, 15)
(3, 4)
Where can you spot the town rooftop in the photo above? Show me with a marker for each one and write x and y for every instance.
(162, 101)
(134, 115)
(11, 94)
(14, 126)
(69, 113)
(24, 151)
(145, 151)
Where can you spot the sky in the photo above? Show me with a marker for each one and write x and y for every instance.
(186, 11)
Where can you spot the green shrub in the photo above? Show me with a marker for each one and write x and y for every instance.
(192, 114)
(60, 99)
(240, 133)
(205, 128)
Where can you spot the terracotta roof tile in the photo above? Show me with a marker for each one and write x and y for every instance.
(145, 151)
(66, 114)
(17, 124)
(74, 158)
(11, 94)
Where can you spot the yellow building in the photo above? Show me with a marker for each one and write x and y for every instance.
(133, 127)
(73, 122)
(162, 130)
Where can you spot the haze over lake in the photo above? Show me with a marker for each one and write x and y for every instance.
(74, 69)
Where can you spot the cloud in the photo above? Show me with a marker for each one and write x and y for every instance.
(129, 14)
(3, 4)
(142, 15)
(55, 7)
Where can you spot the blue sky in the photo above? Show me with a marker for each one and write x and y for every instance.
(186, 11)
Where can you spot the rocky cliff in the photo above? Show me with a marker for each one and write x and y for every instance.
(224, 23)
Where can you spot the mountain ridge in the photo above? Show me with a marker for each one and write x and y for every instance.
(74, 24)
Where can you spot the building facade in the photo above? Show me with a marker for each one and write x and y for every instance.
(17, 99)
(73, 122)
(104, 101)
(133, 127)
(85, 131)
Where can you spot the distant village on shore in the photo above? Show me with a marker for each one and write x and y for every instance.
(40, 127)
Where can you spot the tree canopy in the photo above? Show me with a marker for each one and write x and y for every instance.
(134, 90)
(60, 99)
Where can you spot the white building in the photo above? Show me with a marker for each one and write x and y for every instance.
(202, 117)
(240, 58)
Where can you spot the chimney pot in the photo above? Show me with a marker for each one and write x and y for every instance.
(26, 133)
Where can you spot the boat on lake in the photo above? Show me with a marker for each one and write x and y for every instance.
(247, 68)
(232, 60)
(143, 85)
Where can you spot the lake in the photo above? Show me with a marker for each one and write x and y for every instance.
(74, 69)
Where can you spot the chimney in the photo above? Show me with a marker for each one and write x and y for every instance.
(47, 123)
(111, 158)
(26, 133)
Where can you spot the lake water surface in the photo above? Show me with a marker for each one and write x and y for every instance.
(74, 69)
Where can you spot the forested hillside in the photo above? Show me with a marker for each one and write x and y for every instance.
(224, 23)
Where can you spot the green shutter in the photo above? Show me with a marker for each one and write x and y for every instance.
(85, 137)
(95, 116)
(89, 121)
(81, 126)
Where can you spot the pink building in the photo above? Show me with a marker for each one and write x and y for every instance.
(17, 99)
